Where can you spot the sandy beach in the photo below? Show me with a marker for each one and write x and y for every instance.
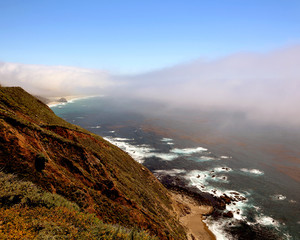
(53, 101)
(191, 215)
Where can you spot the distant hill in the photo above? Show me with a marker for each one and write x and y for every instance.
(43, 99)
(82, 168)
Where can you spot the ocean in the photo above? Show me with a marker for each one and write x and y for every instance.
(255, 165)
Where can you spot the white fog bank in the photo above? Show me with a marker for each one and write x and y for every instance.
(265, 86)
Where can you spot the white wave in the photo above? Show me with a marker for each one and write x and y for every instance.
(56, 104)
(223, 169)
(136, 152)
(252, 171)
(172, 172)
(197, 176)
(222, 178)
(139, 152)
(164, 156)
(217, 228)
(204, 159)
(166, 140)
(225, 157)
(237, 207)
(112, 131)
(279, 197)
(188, 151)
(122, 139)
(266, 220)
(200, 180)
(96, 127)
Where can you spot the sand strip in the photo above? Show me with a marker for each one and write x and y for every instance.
(191, 215)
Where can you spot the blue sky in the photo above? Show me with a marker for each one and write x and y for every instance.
(137, 36)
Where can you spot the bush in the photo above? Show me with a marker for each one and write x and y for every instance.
(28, 212)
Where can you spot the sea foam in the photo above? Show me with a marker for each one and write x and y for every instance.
(266, 220)
(166, 140)
(252, 171)
(98, 126)
(188, 151)
(279, 197)
(217, 228)
(139, 152)
(172, 172)
(136, 152)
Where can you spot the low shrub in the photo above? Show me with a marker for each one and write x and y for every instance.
(27, 212)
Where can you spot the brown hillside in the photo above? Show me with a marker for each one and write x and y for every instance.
(65, 159)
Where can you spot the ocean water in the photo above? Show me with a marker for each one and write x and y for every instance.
(267, 199)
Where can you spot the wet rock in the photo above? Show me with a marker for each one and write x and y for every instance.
(235, 193)
(228, 214)
(221, 205)
(226, 199)
(62, 100)
(240, 198)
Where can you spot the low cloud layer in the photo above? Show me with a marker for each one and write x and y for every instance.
(263, 85)
(53, 80)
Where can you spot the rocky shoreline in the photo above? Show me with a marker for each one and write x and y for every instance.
(238, 229)
(191, 216)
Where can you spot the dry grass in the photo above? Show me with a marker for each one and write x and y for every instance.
(27, 212)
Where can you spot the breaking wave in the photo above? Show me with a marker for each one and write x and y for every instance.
(187, 151)
(252, 171)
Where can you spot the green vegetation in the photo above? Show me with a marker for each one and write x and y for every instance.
(28, 212)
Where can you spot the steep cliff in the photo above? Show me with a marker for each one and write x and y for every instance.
(65, 159)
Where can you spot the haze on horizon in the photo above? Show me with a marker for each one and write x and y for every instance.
(229, 56)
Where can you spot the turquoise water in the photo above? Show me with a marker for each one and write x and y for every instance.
(272, 198)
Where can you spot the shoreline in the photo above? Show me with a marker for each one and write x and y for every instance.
(53, 101)
(191, 215)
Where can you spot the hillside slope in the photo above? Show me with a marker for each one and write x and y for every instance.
(28, 212)
(67, 160)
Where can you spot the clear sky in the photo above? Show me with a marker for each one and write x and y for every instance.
(135, 36)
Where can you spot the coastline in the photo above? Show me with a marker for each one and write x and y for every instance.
(229, 218)
(191, 215)
(53, 101)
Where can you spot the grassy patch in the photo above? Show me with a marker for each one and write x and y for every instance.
(27, 212)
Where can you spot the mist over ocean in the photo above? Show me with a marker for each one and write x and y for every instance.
(216, 151)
